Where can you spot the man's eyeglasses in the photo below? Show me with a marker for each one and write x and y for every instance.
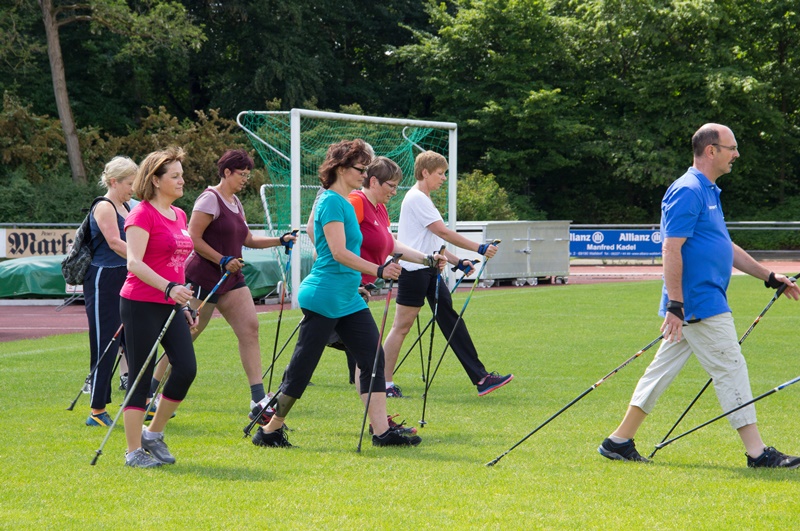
(729, 148)
(391, 185)
(360, 170)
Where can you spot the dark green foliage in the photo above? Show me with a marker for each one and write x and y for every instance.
(580, 109)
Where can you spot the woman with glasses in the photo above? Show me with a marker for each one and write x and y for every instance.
(219, 230)
(330, 301)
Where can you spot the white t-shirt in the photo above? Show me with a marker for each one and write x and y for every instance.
(416, 213)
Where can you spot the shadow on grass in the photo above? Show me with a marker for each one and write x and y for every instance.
(742, 471)
(222, 473)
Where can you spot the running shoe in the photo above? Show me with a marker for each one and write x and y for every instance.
(625, 451)
(101, 419)
(493, 381)
(141, 459)
(158, 449)
(394, 392)
(394, 437)
(772, 458)
(398, 427)
(276, 439)
(264, 414)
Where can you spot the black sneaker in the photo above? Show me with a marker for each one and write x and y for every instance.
(123, 382)
(265, 415)
(621, 451)
(493, 381)
(394, 437)
(276, 438)
(402, 428)
(772, 458)
(394, 392)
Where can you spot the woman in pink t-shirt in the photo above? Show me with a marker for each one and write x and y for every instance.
(158, 245)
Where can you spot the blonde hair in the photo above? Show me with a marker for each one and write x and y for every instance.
(155, 165)
(428, 160)
(119, 168)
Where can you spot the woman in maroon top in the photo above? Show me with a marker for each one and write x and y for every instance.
(219, 230)
(379, 186)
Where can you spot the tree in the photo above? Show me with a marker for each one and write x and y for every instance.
(480, 198)
(157, 24)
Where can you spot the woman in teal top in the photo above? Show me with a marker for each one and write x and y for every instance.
(329, 299)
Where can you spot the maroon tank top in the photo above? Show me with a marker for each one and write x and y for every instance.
(226, 235)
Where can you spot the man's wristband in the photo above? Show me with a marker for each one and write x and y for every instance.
(772, 282)
(168, 289)
(675, 308)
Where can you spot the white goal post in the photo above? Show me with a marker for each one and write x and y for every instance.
(293, 143)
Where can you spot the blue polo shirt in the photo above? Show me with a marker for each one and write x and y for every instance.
(691, 209)
(331, 289)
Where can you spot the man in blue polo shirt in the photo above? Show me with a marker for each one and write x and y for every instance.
(698, 255)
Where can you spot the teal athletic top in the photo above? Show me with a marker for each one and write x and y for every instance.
(331, 289)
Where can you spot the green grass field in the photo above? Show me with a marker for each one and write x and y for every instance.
(557, 340)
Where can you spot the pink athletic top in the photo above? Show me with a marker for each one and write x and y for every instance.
(374, 222)
(167, 248)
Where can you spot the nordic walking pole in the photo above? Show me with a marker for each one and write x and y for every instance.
(422, 422)
(132, 387)
(430, 322)
(586, 392)
(395, 258)
(737, 408)
(421, 359)
(296, 328)
(88, 379)
(284, 274)
(775, 296)
(460, 316)
(272, 401)
(151, 405)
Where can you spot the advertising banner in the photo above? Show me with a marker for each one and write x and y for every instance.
(20, 243)
(614, 243)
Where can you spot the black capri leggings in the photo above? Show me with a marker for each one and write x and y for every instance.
(358, 332)
(143, 322)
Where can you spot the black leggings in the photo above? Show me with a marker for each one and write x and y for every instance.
(358, 332)
(143, 323)
(415, 286)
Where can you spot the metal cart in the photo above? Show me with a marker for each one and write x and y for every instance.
(530, 250)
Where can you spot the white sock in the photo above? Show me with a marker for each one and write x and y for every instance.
(618, 440)
(389, 385)
(152, 435)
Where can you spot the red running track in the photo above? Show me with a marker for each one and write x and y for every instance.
(21, 321)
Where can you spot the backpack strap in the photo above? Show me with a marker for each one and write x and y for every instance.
(88, 233)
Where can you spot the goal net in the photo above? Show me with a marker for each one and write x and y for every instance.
(292, 145)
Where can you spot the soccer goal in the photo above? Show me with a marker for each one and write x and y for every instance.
(292, 145)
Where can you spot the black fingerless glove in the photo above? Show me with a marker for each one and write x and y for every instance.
(772, 282)
(675, 308)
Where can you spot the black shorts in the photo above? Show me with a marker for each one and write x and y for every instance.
(414, 286)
